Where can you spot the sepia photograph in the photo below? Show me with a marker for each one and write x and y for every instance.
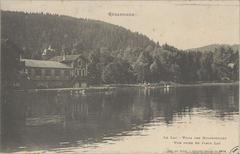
(120, 77)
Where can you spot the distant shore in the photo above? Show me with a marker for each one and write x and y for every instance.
(209, 84)
(171, 84)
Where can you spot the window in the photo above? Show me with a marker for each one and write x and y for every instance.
(29, 71)
(47, 72)
(83, 72)
(38, 72)
(66, 72)
(57, 72)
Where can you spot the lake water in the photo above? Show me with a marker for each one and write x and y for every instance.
(124, 120)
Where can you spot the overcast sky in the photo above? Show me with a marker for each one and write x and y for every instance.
(184, 24)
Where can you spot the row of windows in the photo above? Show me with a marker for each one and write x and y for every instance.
(81, 72)
(54, 72)
(47, 72)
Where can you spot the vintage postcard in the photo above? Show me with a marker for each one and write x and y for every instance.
(120, 77)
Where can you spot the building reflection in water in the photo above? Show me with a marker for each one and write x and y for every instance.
(43, 120)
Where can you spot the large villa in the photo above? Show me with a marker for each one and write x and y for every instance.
(59, 71)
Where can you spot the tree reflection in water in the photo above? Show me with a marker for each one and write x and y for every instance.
(46, 120)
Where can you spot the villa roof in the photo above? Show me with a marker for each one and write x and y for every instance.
(68, 58)
(44, 64)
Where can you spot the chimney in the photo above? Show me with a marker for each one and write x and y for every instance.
(63, 55)
(20, 56)
(44, 54)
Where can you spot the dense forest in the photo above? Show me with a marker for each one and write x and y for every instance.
(117, 55)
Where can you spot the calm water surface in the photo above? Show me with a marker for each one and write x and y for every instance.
(126, 120)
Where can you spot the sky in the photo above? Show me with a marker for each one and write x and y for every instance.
(184, 24)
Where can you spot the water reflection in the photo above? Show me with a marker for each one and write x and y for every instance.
(47, 120)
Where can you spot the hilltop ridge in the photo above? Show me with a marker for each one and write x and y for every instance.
(213, 47)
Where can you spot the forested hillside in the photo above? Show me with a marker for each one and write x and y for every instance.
(116, 54)
(35, 32)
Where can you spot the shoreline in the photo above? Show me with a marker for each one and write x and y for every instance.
(173, 84)
(113, 86)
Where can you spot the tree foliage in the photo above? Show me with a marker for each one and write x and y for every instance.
(116, 54)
